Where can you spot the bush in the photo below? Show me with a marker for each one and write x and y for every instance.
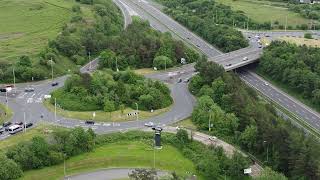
(308, 36)
(9, 170)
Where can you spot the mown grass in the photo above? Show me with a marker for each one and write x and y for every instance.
(41, 129)
(266, 11)
(302, 41)
(5, 113)
(27, 25)
(102, 116)
(121, 154)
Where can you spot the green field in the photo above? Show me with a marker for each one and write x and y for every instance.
(27, 25)
(121, 154)
(266, 11)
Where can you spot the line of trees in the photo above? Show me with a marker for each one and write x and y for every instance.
(140, 46)
(298, 67)
(239, 116)
(109, 91)
(211, 20)
(39, 152)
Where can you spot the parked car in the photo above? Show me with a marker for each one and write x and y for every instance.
(29, 89)
(89, 122)
(149, 124)
(186, 80)
(6, 124)
(54, 84)
(1, 129)
(229, 65)
(245, 59)
(29, 125)
(180, 80)
(19, 123)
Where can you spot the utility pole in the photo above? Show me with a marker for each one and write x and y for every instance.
(24, 122)
(55, 109)
(117, 64)
(7, 100)
(64, 166)
(154, 154)
(51, 62)
(285, 28)
(248, 24)
(210, 112)
(14, 79)
(89, 61)
(165, 64)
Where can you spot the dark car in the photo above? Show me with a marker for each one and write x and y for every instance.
(180, 80)
(29, 89)
(89, 122)
(54, 84)
(19, 123)
(1, 130)
(29, 125)
(6, 124)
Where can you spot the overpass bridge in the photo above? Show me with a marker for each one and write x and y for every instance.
(236, 59)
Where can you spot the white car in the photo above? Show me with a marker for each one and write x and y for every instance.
(149, 124)
(266, 84)
(245, 59)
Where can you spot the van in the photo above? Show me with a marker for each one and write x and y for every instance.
(14, 129)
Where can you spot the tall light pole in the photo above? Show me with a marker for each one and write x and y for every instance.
(137, 111)
(7, 100)
(55, 109)
(64, 165)
(285, 28)
(14, 79)
(267, 150)
(89, 61)
(51, 69)
(210, 112)
(117, 64)
(24, 121)
(165, 64)
(154, 154)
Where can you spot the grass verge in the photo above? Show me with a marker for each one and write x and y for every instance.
(41, 129)
(102, 116)
(302, 41)
(266, 11)
(5, 113)
(121, 154)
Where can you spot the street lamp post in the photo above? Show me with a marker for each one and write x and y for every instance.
(117, 64)
(210, 112)
(64, 165)
(14, 80)
(137, 111)
(89, 61)
(55, 109)
(7, 100)
(51, 69)
(267, 150)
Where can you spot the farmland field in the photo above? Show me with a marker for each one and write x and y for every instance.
(265, 11)
(27, 25)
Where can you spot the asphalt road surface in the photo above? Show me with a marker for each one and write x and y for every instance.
(30, 104)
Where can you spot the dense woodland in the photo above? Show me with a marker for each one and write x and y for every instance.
(297, 67)
(109, 91)
(238, 115)
(140, 46)
(210, 20)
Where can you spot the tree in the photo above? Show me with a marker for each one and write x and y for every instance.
(162, 62)
(182, 136)
(24, 61)
(9, 170)
(107, 59)
(143, 174)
